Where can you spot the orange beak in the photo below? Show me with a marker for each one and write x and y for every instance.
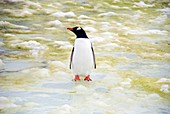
(70, 29)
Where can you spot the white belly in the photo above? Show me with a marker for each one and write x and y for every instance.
(82, 62)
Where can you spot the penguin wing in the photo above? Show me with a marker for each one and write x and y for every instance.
(71, 57)
(94, 60)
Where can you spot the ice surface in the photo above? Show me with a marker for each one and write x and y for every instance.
(107, 14)
(14, 0)
(10, 25)
(90, 29)
(159, 20)
(131, 44)
(165, 10)
(63, 44)
(64, 14)
(56, 23)
(147, 32)
(83, 17)
(143, 4)
(36, 5)
(35, 48)
(163, 80)
(165, 88)
(148, 68)
(1, 64)
(19, 65)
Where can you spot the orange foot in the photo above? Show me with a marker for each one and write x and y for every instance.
(87, 78)
(77, 78)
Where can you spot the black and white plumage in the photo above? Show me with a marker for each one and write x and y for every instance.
(82, 60)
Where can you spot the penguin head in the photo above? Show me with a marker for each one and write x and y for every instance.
(80, 33)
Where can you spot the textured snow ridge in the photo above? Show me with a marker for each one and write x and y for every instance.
(142, 4)
(56, 23)
(64, 14)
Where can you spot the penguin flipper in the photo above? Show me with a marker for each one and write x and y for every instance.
(94, 60)
(71, 57)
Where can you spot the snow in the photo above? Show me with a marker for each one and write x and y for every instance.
(25, 13)
(126, 83)
(154, 96)
(106, 26)
(30, 44)
(119, 88)
(62, 44)
(1, 64)
(4, 99)
(115, 1)
(107, 14)
(132, 75)
(164, 88)
(167, 55)
(10, 25)
(14, 1)
(36, 49)
(160, 19)
(138, 14)
(6, 103)
(66, 47)
(163, 80)
(146, 32)
(165, 10)
(36, 73)
(118, 7)
(150, 54)
(51, 29)
(111, 45)
(142, 4)
(33, 4)
(56, 23)
(83, 17)
(64, 109)
(89, 29)
(81, 89)
(104, 37)
(2, 44)
(64, 14)
(9, 35)
(87, 21)
(97, 39)
(53, 65)
(20, 13)
(40, 39)
(31, 104)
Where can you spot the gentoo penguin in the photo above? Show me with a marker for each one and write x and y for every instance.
(82, 59)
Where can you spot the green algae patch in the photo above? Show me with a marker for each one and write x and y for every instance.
(112, 61)
(146, 50)
(23, 55)
(24, 77)
(127, 73)
(150, 85)
(143, 83)
(72, 92)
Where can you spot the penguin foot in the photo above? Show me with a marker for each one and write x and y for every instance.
(77, 78)
(87, 78)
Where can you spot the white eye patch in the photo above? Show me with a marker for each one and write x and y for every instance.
(78, 28)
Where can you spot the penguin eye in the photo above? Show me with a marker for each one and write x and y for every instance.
(78, 28)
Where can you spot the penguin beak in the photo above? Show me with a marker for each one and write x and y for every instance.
(70, 29)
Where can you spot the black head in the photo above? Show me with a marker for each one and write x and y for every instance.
(80, 33)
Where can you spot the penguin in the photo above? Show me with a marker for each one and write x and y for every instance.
(82, 59)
